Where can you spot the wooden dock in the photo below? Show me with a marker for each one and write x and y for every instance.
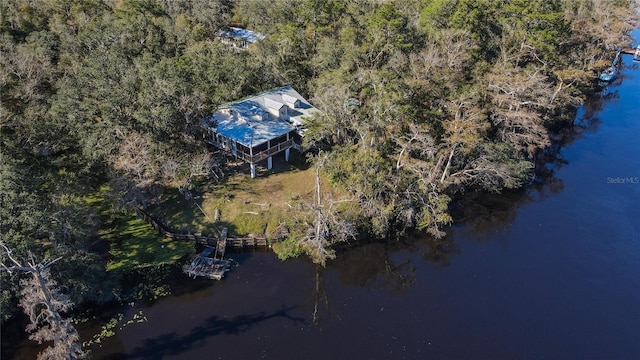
(205, 266)
(212, 268)
(247, 243)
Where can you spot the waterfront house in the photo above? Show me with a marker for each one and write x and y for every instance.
(257, 128)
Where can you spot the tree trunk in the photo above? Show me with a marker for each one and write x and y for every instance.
(446, 168)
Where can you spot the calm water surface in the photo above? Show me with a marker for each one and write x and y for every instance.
(552, 272)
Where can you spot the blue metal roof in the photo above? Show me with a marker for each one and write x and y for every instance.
(253, 133)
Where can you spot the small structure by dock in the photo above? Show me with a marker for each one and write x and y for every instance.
(210, 267)
(612, 71)
(632, 51)
(629, 51)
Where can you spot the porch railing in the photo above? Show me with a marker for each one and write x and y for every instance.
(265, 153)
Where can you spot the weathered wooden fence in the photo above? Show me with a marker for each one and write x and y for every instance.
(234, 243)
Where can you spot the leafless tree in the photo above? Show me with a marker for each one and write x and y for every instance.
(485, 172)
(327, 226)
(603, 22)
(142, 167)
(43, 302)
(136, 158)
(521, 99)
(465, 129)
(443, 59)
(416, 144)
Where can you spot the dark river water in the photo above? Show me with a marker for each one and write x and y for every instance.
(551, 272)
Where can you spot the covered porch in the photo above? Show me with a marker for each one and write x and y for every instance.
(253, 153)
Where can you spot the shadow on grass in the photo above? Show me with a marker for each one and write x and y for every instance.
(173, 344)
(177, 212)
(134, 243)
(183, 215)
(296, 162)
(231, 228)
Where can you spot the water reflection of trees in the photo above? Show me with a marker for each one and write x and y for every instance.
(370, 265)
(321, 303)
(439, 251)
(173, 344)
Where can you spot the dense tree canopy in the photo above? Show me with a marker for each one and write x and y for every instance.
(421, 100)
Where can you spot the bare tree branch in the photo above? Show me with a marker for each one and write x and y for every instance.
(42, 302)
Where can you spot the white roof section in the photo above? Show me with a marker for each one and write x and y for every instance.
(298, 107)
(250, 122)
(290, 100)
(272, 104)
(241, 34)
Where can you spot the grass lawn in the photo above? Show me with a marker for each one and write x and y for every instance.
(245, 206)
(133, 242)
